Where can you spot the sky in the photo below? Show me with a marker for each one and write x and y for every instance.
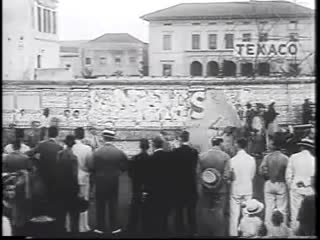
(89, 19)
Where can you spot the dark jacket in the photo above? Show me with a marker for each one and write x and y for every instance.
(137, 171)
(16, 161)
(66, 175)
(160, 177)
(107, 164)
(48, 151)
(184, 164)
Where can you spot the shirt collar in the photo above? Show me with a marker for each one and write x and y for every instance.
(52, 139)
(216, 148)
(158, 149)
(186, 143)
(242, 151)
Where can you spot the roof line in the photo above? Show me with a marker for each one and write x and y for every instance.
(143, 16)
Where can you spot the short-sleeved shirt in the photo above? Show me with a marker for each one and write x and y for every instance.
(250, 226)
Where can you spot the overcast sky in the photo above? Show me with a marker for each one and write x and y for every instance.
(88, 19)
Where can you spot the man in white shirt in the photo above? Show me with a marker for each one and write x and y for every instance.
(84, 155)
(243, 169)
(300, 171)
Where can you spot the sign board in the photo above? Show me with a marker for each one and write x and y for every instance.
(266, 49)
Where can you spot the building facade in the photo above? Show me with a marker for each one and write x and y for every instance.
(232, 39)
(111, 54)
(30, 38)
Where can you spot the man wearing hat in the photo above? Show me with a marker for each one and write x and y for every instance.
(300, 171)
(306, 112)
(214, 165)
(33, 138)
(184, 161)
(249, 115)
(107, 164)
(273, 167)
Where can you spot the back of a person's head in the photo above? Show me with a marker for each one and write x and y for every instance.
(158, 142)
(278, 140)
(216, 141)
(277, 218)
(79, 133)
(69, 140)
(144, 144)
(185, 136)
(53, 132)
(242, 143)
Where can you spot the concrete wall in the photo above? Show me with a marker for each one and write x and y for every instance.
(182, 54)
(141, 107)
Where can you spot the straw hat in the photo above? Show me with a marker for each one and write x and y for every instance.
(253, 206)
(109, 133)
(306, 142)
(210, 178)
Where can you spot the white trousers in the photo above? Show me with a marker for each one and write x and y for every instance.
(295, 203)
(84, 217)
(235, 209)
(275, 196)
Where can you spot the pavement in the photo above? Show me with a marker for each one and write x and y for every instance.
(125, 196)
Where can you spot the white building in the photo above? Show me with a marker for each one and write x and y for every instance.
(202, 39)
(30, 39)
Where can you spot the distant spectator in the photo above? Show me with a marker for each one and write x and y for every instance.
(306, 112)
(33, 138)
(16, 145)
(45, 123)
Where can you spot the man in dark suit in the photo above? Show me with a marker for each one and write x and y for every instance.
(67, 187)
(137, 172)
(184, 163)
(107, 164)
(33, 138)
(159, 189)
(46, 164)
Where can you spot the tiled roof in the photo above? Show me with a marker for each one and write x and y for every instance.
(71, 46)
(230, 10)
(117, 38)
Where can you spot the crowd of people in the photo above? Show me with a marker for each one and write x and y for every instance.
(48, 185)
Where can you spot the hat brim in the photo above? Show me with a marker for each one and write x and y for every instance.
(306, 145)
(258, 210)
(214, 184)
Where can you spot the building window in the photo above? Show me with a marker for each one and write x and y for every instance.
(212, 23)
(263, 22)
(246, 22)
(212, 39)
(196, 69)
(264, 69)
(246, 37)
(247, 69)
(103, 61)
(229, 23)
(167, 24)
(293, 25)
(68, 65)
(45, 21)
(195, 41)
(117, 60)
(88, 61)
(229, 68)
(229, 40)
(196, 23)
(212, 69)
(293, 37)
(166, 42)
(167, 70)
(263, 37)
(39, 61)
(49, 21)
(54, 21)
(132, 59)
(39, 19)
(294, 69)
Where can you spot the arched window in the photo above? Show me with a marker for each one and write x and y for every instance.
(196, 69)
(212, 69)
(264, 69)
(247, 69)
(229, 68)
